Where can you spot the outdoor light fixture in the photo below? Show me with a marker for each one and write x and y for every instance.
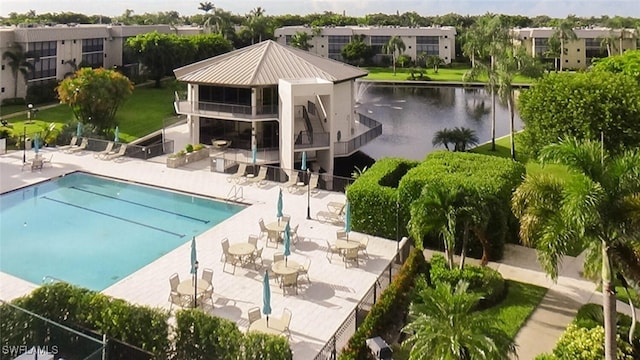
(308, 195)
(195, 285)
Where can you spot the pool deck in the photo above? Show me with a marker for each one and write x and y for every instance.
(319, 308)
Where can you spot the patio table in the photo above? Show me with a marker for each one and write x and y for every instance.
(242, 250)
(275, 327)
(283, 267)
(187, 288)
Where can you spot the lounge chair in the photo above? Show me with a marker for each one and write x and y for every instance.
(292, 184)
(76, 148)
(238, 175)
(120, 153)
(313, 183)
(73, 142)
(45, 161)
(106, 151)
(336, 207)
(260, 178)
(329, 217)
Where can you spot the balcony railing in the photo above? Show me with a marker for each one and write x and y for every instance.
(307, 140)
(347, 147)
(239, 111)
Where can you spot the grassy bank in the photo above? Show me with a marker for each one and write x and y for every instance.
(444, 74)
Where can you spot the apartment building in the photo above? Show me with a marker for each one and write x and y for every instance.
(62, 47)
(329, 41)
(578, 54)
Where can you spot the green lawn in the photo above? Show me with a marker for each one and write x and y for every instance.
(444, 74)
(516, 308)
(141, 114)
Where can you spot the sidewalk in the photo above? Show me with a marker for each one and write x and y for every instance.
(560, 304)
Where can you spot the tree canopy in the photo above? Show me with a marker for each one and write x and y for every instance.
(94, 96)
(583, 105)
(627, 63)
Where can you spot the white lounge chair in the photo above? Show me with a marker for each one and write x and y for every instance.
(73, 142)
(106, 151)
(76, 148)
(260, 178)
(329, 217)
(120, 153)
(238, 175)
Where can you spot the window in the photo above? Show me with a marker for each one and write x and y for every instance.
(377, 42)
(428, 45)
(45, 67)
(93, 52)
(336, 43)
(541, 46)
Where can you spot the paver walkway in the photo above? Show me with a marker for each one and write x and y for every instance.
(557, 308)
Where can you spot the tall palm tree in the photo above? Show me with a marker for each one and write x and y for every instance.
(301, 40)
(206, 6)
(18, 61)
(564, 31)
(607, 43)
(395, 44)
(445, 326)
(599, 207)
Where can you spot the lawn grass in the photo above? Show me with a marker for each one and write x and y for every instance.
(142, 113)
(521, 300)
(444, 74)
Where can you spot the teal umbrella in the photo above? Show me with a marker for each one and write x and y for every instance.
(266, 296)
(304, 161)
(36, 143)
(194, 257)
(254, 155)
(279, 213)
(79, 129)
(116, 134)
(287, 242)
(347, 219)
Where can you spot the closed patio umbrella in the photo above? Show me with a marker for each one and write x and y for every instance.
(79, 129)
(287, 243)
(36, 143)
(347, 219)
(116, 135)
(266, 296)
(279, 213)
(254, 155)
(194, 257)
(303, 167)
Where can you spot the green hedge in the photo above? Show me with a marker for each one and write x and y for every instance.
(481, 279)
(390, 307)
(374, 195)
(83, 309)
(201, 336)
(493, 178)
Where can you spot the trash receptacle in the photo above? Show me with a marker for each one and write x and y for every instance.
(379, 348)
(27, 143)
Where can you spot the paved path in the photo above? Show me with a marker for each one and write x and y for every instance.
(557, 308)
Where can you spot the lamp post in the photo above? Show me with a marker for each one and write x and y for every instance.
(195, 285)
(308, 195)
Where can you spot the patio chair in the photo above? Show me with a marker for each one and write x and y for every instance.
(120, 153)
(73, 142)
(278, 257)
(263, 227)
(259, 179)
(286, 320)
(285, 218)
(36, 164)
(228, 258)
(331, 249)
(253, 239)
(273, 237)
(239, 174)
(175, 298)
(257, 255)
(289, 281)
(293, 234)
(350, 255)
(341, 234)
(364, 242)
(254, 315)
(207, 274)
(106, 151)
(76, 148)
(47, 161)
(304, 269)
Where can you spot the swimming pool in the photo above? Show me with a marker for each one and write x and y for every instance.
(92, 231)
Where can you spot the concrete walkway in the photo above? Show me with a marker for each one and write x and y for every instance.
(560, 304)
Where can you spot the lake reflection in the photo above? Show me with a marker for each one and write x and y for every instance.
(411, 115)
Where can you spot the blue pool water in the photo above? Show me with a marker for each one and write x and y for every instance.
(92, 232)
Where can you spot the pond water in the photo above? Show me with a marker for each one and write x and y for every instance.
(410, 115)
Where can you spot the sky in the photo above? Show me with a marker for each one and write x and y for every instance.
(552, 8)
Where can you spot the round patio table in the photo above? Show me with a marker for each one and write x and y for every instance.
(241, 249)
(343, 244)
(275, 327)
(187, 288)
(283, 267)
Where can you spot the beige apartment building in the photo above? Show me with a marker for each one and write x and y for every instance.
(579, 53)
(328, 41)
(61, 47)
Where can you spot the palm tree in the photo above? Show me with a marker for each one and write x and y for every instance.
(599, 208)
(445, 326)
(18, 61)
(442, 137)
(564, 31)
(553, 51)
(460, 137)
(301, 40)
(206, 7)
(607, 43)
(395, 44)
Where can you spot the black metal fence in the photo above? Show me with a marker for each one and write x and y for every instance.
(340, 338)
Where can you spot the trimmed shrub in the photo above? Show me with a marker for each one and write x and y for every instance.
(374, 198)
(494, 179)
(389, 309)
(258, 346)
(481, 279)
(587, 344)
(201, 336)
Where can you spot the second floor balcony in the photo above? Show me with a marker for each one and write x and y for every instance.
(215, 109)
